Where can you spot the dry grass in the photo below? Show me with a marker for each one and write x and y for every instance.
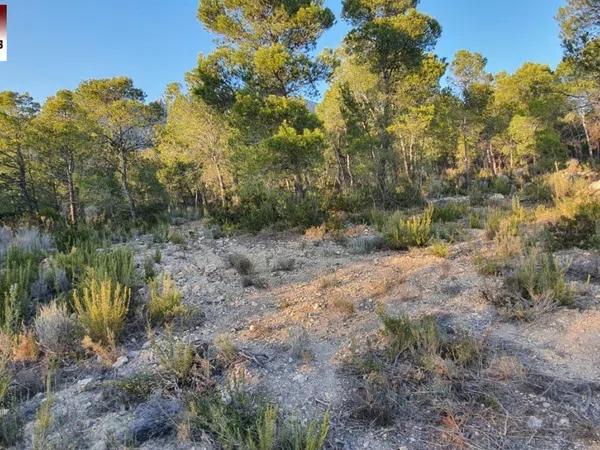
(343, 304)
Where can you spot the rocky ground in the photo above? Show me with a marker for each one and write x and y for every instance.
(294, 333)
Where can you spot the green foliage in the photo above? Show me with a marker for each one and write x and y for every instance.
(400, 233)
(440, 249)
(18, 273)
(448, 212)
(175, 357)
(582, 230)
(102, 308)
(165, 300)
(538, 277)
(248, 421)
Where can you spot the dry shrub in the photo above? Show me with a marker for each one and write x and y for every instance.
(505, 368)
(57, 332)
(241, 263)
(227, 353)
(316, 232)
(299, 343)
(26, 348)
(343, 304)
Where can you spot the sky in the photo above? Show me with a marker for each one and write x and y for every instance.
(56, 44)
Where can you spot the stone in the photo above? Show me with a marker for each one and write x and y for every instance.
(83, 384)
(153, 419)
(534, 423)
(120, 362)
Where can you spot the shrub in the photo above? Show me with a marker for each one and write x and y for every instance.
(343, 304)
(5, 382)
(241, 263)
(165, 300)
(538, 277)
(17, 276)
(26, 347)
(475, 220)
(57, 332)
(411, 337)
(243, 420)
(400, 233)
(176, 237)
(362, 245)
(149, 272)
(448, 212)
(176, 358)
(284, 264)
(102, 308)
(157, 256)
(582, 230)
(440, 249)
(227, 353)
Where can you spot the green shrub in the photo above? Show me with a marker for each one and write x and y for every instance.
(176, 358)
(19, 272)
(582, 230)
(157, 256)
(149, 272)
(176, 237)
(411, 337)
(475, 220)
(448, 212)
(538, 277)
(102, 308)
(400, 233)
(248, 421)
(440, 249)
(165, 300)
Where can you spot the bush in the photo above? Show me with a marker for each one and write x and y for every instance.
(440, 249)
(448, 212)
(362, 245)
(475, 220)
(149, 272)
(17, 276)
(57, 332)
(400, 233)
(582, 230)
(176, 358)
(284, 265)
(241, 263)
(102, 308)
(165, 300)
(539, 278)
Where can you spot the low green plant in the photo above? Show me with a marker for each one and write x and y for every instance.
(102, 308)
(157, 256)
(411, 337)
(448, 212)
(440, 249)
(400, 233)
(176, 358)
(539, 278)
(165, 300)
(176, 237)
(475, 220)
(582, 230)
(149, 271)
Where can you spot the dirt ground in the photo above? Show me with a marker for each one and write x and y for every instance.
(326, 305)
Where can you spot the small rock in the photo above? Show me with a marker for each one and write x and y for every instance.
(3, 412)
(120, 362)
(154, 418)
(83, 384)
(534, 423)
(564, 422)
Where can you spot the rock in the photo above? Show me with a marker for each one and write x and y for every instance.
(564, 422)
(497, 198)
(3, 412)
(120, 362)
(534, 423)
(152, 419)
(594, 187)
(83, 384)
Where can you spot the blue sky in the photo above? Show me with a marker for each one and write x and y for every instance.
(54, 44)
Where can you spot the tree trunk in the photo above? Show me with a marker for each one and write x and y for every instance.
(28, 199)
(125, 186)
(71, 191)
(587, 135)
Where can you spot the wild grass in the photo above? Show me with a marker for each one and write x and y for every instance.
(248, 421)
(165, 301)
(401, 233)
(44, 418)
(581, 230)
(343, 304)
(362, 245)
(176, 358)
(102, 308)
(149, 270)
